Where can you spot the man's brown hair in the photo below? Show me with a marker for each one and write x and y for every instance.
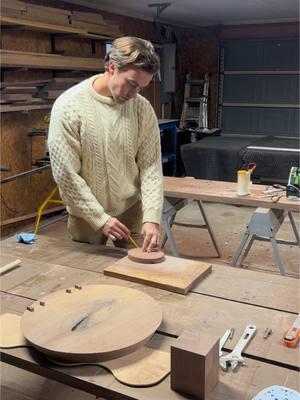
(130, 50)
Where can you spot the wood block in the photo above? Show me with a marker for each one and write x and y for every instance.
(177, 275)
(195, 364)
(144, 257)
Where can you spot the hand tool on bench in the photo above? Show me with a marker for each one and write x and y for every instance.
(235, 357)
(228, 334)
(291, 337)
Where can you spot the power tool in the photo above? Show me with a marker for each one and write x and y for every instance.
(293, 186)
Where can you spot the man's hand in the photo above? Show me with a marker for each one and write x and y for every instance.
(115, 230)
(151, 235)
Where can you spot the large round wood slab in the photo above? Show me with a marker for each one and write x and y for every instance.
(92, 323)
(144, 257)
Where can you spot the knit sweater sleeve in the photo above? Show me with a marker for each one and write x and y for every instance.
(65, 155)
(149, 163)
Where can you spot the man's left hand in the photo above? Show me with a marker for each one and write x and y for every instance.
(151, 235)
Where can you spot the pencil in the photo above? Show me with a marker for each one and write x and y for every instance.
(132, 241)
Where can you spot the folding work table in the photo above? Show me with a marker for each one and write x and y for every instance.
(264, 224)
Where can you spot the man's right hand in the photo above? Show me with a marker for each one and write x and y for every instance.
(115, 230)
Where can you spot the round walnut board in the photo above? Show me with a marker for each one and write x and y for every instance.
(144, 257)
(91, 324)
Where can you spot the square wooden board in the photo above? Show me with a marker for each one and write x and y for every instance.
(175, 274)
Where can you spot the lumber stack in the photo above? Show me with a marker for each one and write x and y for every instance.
(32, 16)
(33, 95)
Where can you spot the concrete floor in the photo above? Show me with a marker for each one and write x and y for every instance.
(228, 223)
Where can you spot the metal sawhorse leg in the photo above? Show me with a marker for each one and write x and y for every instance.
(264, 225)
(170, 208)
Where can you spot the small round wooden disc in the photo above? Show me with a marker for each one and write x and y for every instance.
(91, 324)
(138, 255)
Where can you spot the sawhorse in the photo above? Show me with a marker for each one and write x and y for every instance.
(264, 225)
(171, 206)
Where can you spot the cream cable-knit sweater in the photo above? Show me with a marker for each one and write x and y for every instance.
(105, 156)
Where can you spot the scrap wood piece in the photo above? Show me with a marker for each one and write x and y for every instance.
(7, 267)
(144, 367)
(10, 331)
(177, 275)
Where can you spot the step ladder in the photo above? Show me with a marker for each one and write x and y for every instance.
(194, 112)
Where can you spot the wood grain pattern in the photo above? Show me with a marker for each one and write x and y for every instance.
(174, 274)
(144, 257)
(237, 284)
(223, 192)
(91, 323)
(144, 367)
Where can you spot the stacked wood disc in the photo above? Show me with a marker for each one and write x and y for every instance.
(145, 257)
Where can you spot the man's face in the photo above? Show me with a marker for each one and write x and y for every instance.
(125, 84)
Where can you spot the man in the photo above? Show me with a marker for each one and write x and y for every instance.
(104, 145)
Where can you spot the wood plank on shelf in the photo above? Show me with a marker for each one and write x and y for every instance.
(18, 97)
(13, 58)
(24, 107)
(24, 84)
(100, 29)
(13, 5)
(48, 9)
(43, 15)
(94, 18)
(8, 12)
(46, 27)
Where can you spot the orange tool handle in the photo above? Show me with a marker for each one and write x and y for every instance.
(291, 337)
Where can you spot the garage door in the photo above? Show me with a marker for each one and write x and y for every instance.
(259, 87)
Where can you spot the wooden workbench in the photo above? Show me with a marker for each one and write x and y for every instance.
(226, 298)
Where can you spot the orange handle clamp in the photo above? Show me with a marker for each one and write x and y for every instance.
(292, 335)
